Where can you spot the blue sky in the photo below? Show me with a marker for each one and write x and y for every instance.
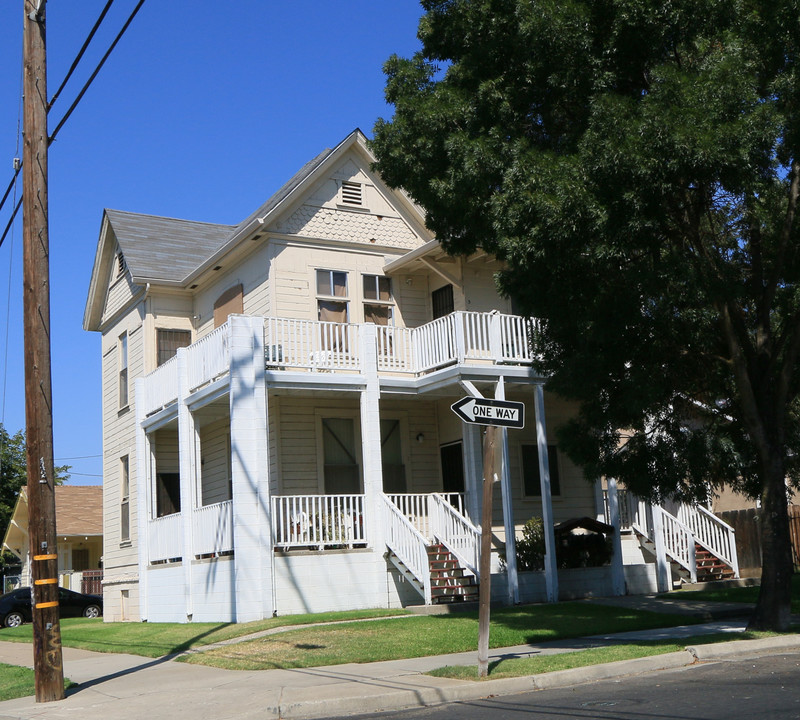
(202, 111)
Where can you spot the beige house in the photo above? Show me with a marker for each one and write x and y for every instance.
(277, 424)
(79, 533)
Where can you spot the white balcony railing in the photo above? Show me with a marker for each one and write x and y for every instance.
(324, 346)
(165, 539)
(318, 521)
(213, 528)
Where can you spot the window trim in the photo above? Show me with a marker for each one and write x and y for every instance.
(125, 498)
(123, 361)
(322, 297)
(390, 303)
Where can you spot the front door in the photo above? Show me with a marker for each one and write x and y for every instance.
(452, 467)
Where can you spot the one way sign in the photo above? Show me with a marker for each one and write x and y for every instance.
(483, 411)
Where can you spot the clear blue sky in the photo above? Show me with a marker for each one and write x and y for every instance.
(202, 111)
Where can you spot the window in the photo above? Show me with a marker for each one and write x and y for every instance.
(332, 296)
(351, 194)
(342, 472)
(442, 300)
(530, 470)
(378, 299)
(168, 342)
(122, 356)
(124, 505)
(80, 559)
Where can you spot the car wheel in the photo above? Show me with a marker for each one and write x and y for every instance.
(91, 611)
(14, 619)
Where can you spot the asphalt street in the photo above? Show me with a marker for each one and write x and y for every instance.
(764, 688)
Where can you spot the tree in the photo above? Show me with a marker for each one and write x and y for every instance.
(13, 475)
(636, 165)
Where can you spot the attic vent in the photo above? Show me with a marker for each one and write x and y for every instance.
(120, 264)
(351, 193)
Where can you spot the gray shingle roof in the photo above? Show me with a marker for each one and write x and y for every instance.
(159, 248)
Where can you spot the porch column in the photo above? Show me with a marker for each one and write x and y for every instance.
(187, 439)
(508, 506)
(252, 534)
(662, 564)
(139, 477)
(369, 403)
(599, 501)
(550, 566)
(617, 569)
(473, 470)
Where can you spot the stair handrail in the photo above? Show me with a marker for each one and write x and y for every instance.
(405, 541)
(678, 541)
(712, 533)
(456, 532)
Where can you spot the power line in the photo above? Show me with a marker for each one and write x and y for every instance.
(79, 457)
(10, 221)
(96, 70)
(79, 55)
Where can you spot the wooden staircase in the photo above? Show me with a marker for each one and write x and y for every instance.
(710, 567)
(449, 581)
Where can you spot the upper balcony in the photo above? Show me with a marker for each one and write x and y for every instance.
(469, 338)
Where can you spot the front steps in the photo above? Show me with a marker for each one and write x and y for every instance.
(449, 581)
(709, 567)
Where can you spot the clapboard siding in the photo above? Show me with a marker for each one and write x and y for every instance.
(215, 462)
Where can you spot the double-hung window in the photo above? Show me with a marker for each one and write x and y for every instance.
(122, 363)
(124, 505)
(332, 301)
(378, 305)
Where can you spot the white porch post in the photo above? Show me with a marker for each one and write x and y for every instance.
(141, 480)
(550, 565)
(617, 569)
(473, 470)
(662, 565)
(371, 435)
(252, 533)
(188, 478)
(508, 506)
(599, 500)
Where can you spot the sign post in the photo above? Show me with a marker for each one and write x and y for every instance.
(495, 414)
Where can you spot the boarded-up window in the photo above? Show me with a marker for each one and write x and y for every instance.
(168, 342)
(231, 302)
(342, 472)
(442, 301)
(394, 471)
(530, 470)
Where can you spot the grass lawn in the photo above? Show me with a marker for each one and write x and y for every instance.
(16, 681)
(517, 667)
(159, 639)
(740, 594)
(428, 635)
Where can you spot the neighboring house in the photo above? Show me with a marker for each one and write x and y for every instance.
(277, 429)
(79, 533)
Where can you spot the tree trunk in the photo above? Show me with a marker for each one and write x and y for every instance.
(773, 609)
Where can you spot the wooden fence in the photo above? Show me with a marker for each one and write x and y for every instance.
(748, 538)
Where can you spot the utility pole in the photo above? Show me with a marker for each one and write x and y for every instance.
(47, 662)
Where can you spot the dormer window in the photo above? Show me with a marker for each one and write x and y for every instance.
(352, 194)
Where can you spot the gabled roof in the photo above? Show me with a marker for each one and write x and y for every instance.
(174, 252)
(149, 258)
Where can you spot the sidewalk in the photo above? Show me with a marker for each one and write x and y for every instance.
(128, 687)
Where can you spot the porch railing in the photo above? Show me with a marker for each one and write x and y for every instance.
(161, 387)
(209, 357)
(712, 533)
(165, 539)
(311, 345)
(213, 528)
(406, 542)
(454, 530)
(318, 521)
(678, 542)
(416, 507)
(624, 499)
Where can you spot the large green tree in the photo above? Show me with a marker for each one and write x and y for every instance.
(636, 164)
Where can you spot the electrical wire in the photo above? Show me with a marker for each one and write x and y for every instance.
(96, 71)
(79, 55)
(10, 223)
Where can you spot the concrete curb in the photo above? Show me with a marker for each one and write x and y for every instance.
(744, 648)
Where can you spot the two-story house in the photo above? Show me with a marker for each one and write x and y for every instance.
(277, 425)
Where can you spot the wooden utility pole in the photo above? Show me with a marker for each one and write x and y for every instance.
(485, 588)
(47, 660)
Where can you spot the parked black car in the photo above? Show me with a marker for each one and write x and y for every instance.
(15, 607)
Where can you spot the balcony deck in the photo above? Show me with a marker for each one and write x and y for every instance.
(308, 346)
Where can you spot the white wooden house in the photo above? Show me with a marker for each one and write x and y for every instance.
(277, 428)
